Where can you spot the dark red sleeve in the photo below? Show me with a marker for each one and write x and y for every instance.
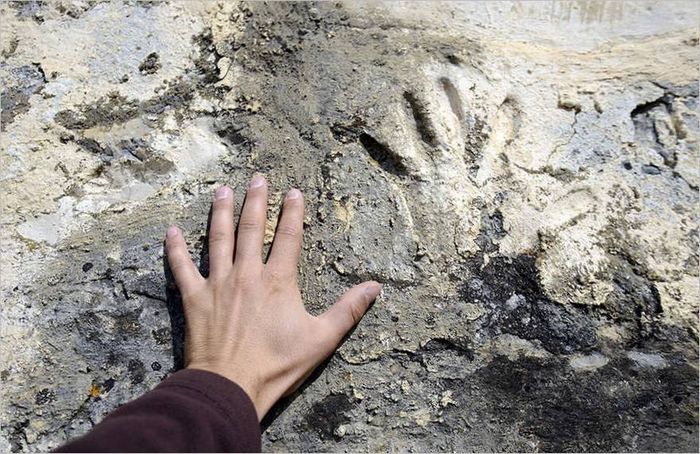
(192, 410)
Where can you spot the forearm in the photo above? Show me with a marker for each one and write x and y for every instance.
(192, 410)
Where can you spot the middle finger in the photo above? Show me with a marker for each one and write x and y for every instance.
(251, 227)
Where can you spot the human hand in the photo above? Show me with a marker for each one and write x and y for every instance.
(247, 321)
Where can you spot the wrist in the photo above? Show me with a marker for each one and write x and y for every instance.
(248, 385)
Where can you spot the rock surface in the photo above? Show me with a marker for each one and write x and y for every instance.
(523, 177)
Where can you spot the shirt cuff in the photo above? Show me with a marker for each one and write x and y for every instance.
(228, 397)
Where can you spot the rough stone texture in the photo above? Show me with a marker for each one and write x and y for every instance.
(523, 177)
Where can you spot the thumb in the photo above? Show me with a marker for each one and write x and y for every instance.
(350, 308)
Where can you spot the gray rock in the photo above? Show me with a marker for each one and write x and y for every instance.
(522, 178)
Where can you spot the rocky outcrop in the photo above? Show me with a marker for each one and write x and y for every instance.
(522, 177)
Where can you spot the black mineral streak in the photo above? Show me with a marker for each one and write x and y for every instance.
(150, 65)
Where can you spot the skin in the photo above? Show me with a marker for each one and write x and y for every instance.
(247, 321)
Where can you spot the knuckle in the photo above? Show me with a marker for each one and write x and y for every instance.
(176, 263)
(222, 204)
(171, 253)
(218, 236)
(179, 268)
(192, 297)
(176, 259)
(274, 274)
(251, 277)
(277, 276)
(355, 313)
(288, 230)
(172, 246)
(189, 296)
(249, 225)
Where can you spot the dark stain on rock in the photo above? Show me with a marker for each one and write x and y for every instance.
(33, 9)
(22, 83)
(206, 64)
(75, 10)
(90, 327)
(150, 285)
(94, 147)
(44, 396)
(108, 110)
(136, 148)
(137, 371)
(454, 59)
(329, 413)
(127, 324)
(345, 133)
(510, 290)
(161, 335)
(233, 131)
(115, 109)
(491, 232)
(476, 134)
(107, 385)
(658, 119)
(18, 435)
(437, 344)
(177, 95)
(151, 64)
(548, 402)
(148, 4)
(601, 410)
(634, 301)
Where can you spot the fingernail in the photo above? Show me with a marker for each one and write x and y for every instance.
(172, 232)
(293, 194)
(256, 182)
(373, 290)
(222, 193)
